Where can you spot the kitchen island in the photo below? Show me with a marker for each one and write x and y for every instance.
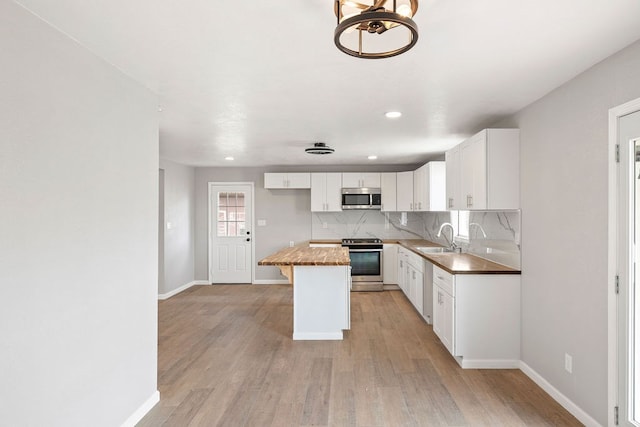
(321, 280)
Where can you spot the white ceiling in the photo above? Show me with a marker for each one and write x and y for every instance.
(262, 80)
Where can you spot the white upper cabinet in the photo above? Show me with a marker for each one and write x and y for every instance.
(300, 180)
(326, 192)
(361, 180)
(388, 191)
(485, 171)
(404, 193)
(429, 187)
(452, 159)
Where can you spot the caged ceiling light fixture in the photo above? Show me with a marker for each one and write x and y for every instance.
(375, 29)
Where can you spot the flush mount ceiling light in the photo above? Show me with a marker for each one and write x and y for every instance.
(375, 29)
(393, 114)
(319, 148)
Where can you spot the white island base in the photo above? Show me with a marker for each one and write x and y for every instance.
(321, 302)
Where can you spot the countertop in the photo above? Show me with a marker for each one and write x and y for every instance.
(453, 263)
(302, 254)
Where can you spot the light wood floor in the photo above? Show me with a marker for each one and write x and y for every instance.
(226, 358)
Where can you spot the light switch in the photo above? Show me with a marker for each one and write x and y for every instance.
(262, 222)
(169, 226)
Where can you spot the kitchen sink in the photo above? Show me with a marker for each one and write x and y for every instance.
(433, 250)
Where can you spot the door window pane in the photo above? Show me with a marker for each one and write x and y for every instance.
(231, 214)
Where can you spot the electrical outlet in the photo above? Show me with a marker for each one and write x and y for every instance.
(568, 363)
(291, 243)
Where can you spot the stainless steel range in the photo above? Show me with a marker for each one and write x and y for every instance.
(366, 263)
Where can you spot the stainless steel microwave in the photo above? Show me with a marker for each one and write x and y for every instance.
(361, 198)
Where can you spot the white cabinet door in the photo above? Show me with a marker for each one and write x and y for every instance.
(318, 192)
(404, 194)
(388, 191)
(454, 175)
(278, 180)
(443, 317)
(390, 264)
(326, 192)
(300, 180)
(438, 311)
(418, 297)
(435, 193)
(402, 270)
(448, 322)
(275, 180)
(371, 180)
(483, 172)
(351, 179)
(361, 179)
(473, 159)
(419, 188)
(334, 192)
(429, 187)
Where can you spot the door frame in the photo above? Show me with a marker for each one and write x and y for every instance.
(613, 252)
(210, 186)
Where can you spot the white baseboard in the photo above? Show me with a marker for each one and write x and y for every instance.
(466, 363)
(390, 287)
(315, 336)
(271, 282)
(142, 410)
(563, 400)
(182, 288)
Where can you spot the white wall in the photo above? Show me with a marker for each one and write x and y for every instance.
(287, 212)
(179, 211)
(78, 232)
(564, 139)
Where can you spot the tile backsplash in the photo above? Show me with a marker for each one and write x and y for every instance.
(493, 235)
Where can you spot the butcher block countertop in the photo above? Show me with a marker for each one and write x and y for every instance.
(454, 263)
(304, 255)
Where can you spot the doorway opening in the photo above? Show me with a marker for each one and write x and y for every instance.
(624, 231)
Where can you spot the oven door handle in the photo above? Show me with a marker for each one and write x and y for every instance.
(365, 250)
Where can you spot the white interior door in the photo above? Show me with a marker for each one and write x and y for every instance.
(231, 234)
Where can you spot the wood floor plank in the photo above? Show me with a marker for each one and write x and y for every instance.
(226, 358)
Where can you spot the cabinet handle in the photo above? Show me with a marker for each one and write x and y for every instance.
(411, 206)
(469, 201)
(450, 202)
(419, 206)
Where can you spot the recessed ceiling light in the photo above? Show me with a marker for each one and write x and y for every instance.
(392, 114)
(372, 157)
(229, 158)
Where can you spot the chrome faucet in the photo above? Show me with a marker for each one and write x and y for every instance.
(452, 243)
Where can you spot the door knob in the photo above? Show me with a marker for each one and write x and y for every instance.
(248, 232)
(248, 239)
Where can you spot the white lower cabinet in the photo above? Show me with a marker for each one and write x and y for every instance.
(402, 269)
(444, 308)
(477, 318)
(412, 271)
